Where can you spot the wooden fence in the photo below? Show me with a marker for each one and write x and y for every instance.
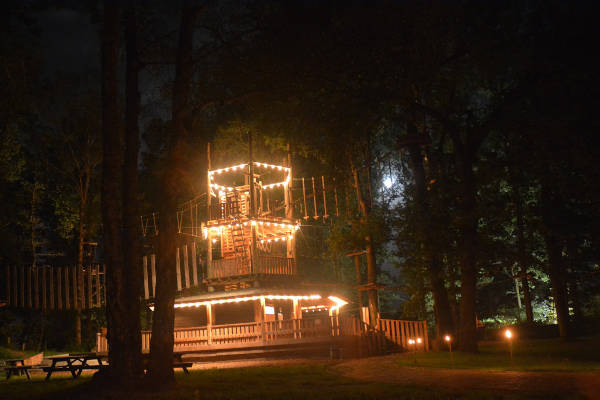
(267, 265)
(400, 332)
(393, 334)
(251, 332)
(54, 288)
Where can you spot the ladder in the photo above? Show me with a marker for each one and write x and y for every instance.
(240, 250)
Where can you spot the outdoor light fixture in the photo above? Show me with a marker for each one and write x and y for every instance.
(419, 340)
(448, 340)
(509, 335)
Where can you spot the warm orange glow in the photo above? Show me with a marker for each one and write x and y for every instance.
(508, 334)
(411, 341)
(419, 340)
(447, 338)
(339, 303)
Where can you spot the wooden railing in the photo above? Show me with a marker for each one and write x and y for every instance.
(389, 331)
(400, 332)
(252, 332)
(269, 265)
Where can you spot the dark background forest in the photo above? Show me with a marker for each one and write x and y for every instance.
(461, 135)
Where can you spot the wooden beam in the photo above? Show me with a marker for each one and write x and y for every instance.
(98, 287)
(145, 269)
(186, 271)
(209, 319)
(153, 267)
(177, 270)
(194, 264)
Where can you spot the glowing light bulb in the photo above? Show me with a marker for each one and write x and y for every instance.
(508, 334)
(447, 338)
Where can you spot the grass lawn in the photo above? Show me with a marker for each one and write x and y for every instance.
(274, 382)
(528, 355)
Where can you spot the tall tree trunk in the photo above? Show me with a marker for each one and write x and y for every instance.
(131, 234)
(122, 320)
(573, 285)
(522, 254)
(364, 209)
(551, 205)
(468, 269)
(161, 344)
(441, 305)
(79, 294)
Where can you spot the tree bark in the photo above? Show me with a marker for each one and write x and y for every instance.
(522, 254)
(122, 321)
(558, 279)
(131, 234)
(364, 209)
(468, 270)
(442, 312)
(161, 344)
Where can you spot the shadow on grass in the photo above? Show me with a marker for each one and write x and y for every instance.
(313, 382)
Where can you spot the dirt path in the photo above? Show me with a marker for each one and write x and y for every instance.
(386, 369)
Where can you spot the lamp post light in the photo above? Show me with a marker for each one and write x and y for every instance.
(509, 336)
(412, 342)
(448, 339)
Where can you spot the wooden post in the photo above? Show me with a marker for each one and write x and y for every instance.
(337, 211)
(262, 317)
(324, 197)
(425, 336)
(67, 294)
(98, 287)
(177, 270)
(304, 197)
(186, 271)
(358, 280)
(51, 270)
(194, 264)
(315, 198)
(209, 318)
(252, 212)
(153, 268)
(145, 269)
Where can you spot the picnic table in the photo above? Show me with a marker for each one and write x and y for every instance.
(16, 366)
(74, 363)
